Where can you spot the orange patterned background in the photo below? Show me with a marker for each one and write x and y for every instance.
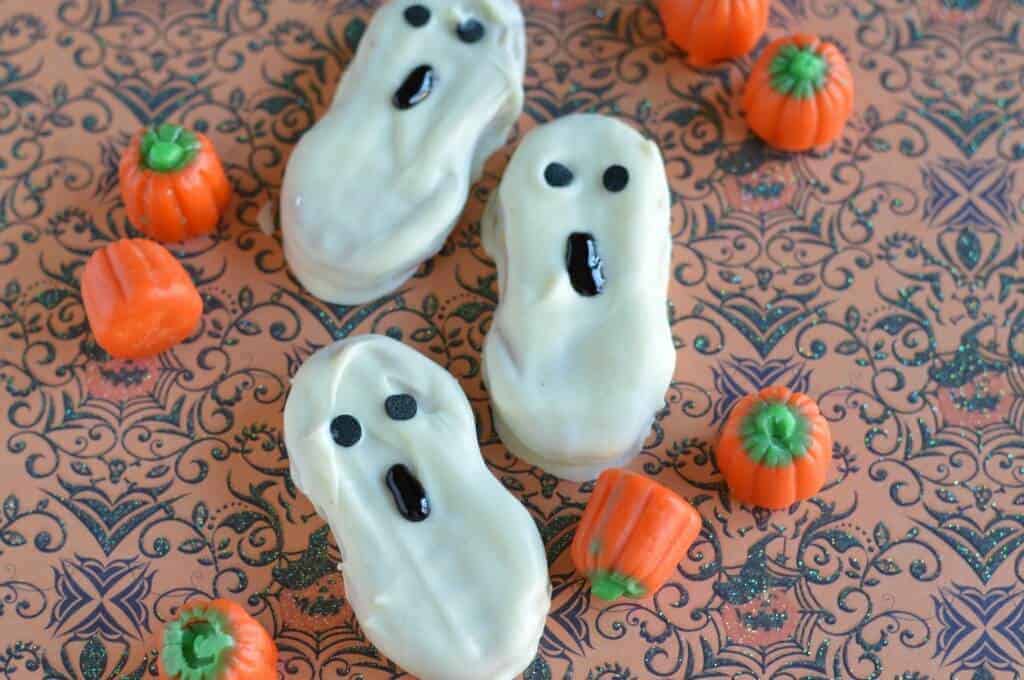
(883, 276)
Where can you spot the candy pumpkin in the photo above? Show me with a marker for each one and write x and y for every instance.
(217, 640)
(712, 30)
(173, 184)
(799, 94)
(138, 299)
(633, 534)
(775, 448)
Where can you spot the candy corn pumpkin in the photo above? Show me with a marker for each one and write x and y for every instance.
(138, 299)
(775, 448)
(712, 30)
(217, 640)
(799, 94)
(633, 534)
(173, 184)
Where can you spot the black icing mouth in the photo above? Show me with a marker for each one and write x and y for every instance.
(584, 265)
(416, 87)
(410, 496)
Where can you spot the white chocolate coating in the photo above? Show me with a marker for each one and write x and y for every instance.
(371, 191)
(575, 381)
(461, 595)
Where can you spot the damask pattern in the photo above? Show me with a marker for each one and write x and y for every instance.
(883, 276)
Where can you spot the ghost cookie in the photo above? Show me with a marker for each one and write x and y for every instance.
(579, 353)
(444, 568)
(374, 188)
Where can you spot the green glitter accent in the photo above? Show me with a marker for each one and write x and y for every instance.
(93, 659)
(195, 646)
(967, 364)
(763, 190)
(609, 585)
(798, 71)
(961, 5)
(168, 148)
(314, 563)
(322, 605)
(774, 433)
(763, 619)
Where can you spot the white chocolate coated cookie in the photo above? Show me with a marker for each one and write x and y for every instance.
(374, 188)
(580, 353)
(444, 568)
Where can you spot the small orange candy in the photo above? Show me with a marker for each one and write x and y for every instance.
(799, 94)
(775, 448)
(173, 184)
(138, 299)
(217, 640)
(632, 536)
(712, 30)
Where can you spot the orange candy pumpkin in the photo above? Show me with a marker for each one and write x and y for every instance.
(217, 640)
(139, 300)
(173, 184)
(633, 534)
(775, 448)
(712, 30)
(799, 94)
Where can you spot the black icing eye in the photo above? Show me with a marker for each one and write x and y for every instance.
(470, 31)
(557, 175)
(416, 15)
(615, 178)
(400, 406)
(346, 431)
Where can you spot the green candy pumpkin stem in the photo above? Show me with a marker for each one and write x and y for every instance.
(798, 71)
(774, 433)
(611, 586)
(195, 646)
(168, 148)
